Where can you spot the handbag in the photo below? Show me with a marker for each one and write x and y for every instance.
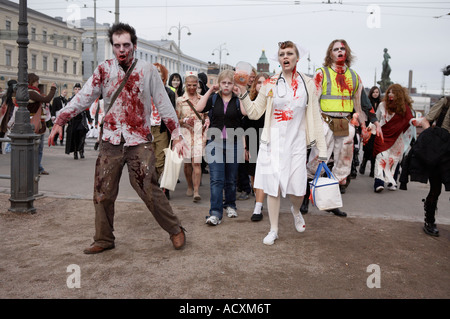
(172, 167)
(196, 113)
(325, 192)
(113, 99)
(36, 121)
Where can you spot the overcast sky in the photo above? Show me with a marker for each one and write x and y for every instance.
(416, 33)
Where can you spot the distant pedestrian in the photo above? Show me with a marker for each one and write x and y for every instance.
(57, 105)
(395, 113)
(250, 156)
(176, 84)
(375, 100)
(77, 129)
(36, 106)
(126, 136)
(8, 104)
(193, 130)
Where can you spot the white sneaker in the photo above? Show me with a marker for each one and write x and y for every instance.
(231, 212)
(213, 220)
(299, 222)
(270, 238)
(392, 187)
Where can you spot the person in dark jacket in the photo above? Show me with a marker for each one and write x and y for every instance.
(77, 129)
(7, 108)
(429, 160)
(57, 105)
(35, 105)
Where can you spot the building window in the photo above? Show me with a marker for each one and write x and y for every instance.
(75, 68)
(92, 67)
(65, 43)
(55, 39)
(55, 65)
(33, 61)
(44, 36)
(8, 58)
(8, 25)
(44, 63)
(74, 43)
(82, 67)
(33, 34)
(65, 66)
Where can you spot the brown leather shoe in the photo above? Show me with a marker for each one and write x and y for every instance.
(95, 249)
(178, 240)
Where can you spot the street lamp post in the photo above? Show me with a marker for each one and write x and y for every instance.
(179, 28)
(23, 154)
(220, 50)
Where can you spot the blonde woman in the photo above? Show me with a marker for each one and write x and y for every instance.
(292, 123)
(193, 129)
(223, 149)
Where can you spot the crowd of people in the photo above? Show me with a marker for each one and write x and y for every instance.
(264, 138)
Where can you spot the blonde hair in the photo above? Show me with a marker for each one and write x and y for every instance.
(226, 74)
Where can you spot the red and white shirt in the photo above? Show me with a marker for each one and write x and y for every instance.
(131, 115)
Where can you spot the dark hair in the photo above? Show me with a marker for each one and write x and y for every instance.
(120, 28)
(12, 84)
(375, 101)
(32, 77)
(180, 91)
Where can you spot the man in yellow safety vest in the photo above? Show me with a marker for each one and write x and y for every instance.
(344, 105)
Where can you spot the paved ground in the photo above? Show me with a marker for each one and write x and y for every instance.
(333, 258)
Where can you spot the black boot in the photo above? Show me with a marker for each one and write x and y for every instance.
(362, 167)
(305, 204)
(75, 155)
(166, 192)
(372, 168)
(337, 212)
(430, 211)
(81, 154)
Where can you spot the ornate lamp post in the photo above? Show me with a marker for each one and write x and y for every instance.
(179, 28)
(22, 134)
(220, 50)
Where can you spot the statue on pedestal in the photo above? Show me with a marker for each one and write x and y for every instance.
(385, 79)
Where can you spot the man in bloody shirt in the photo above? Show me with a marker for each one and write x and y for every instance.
(126, 136)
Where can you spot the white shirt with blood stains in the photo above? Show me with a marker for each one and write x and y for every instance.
(131, 114)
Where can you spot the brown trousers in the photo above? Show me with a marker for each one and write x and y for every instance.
(140, 161)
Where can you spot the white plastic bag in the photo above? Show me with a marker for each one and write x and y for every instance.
(325, 191)
(172, 167)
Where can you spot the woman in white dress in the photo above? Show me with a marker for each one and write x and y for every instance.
(292, 124)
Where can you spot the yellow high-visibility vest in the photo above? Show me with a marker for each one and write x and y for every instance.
(337, 94)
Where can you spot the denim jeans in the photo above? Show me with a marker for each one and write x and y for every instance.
(40, 152)
(223, 159)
